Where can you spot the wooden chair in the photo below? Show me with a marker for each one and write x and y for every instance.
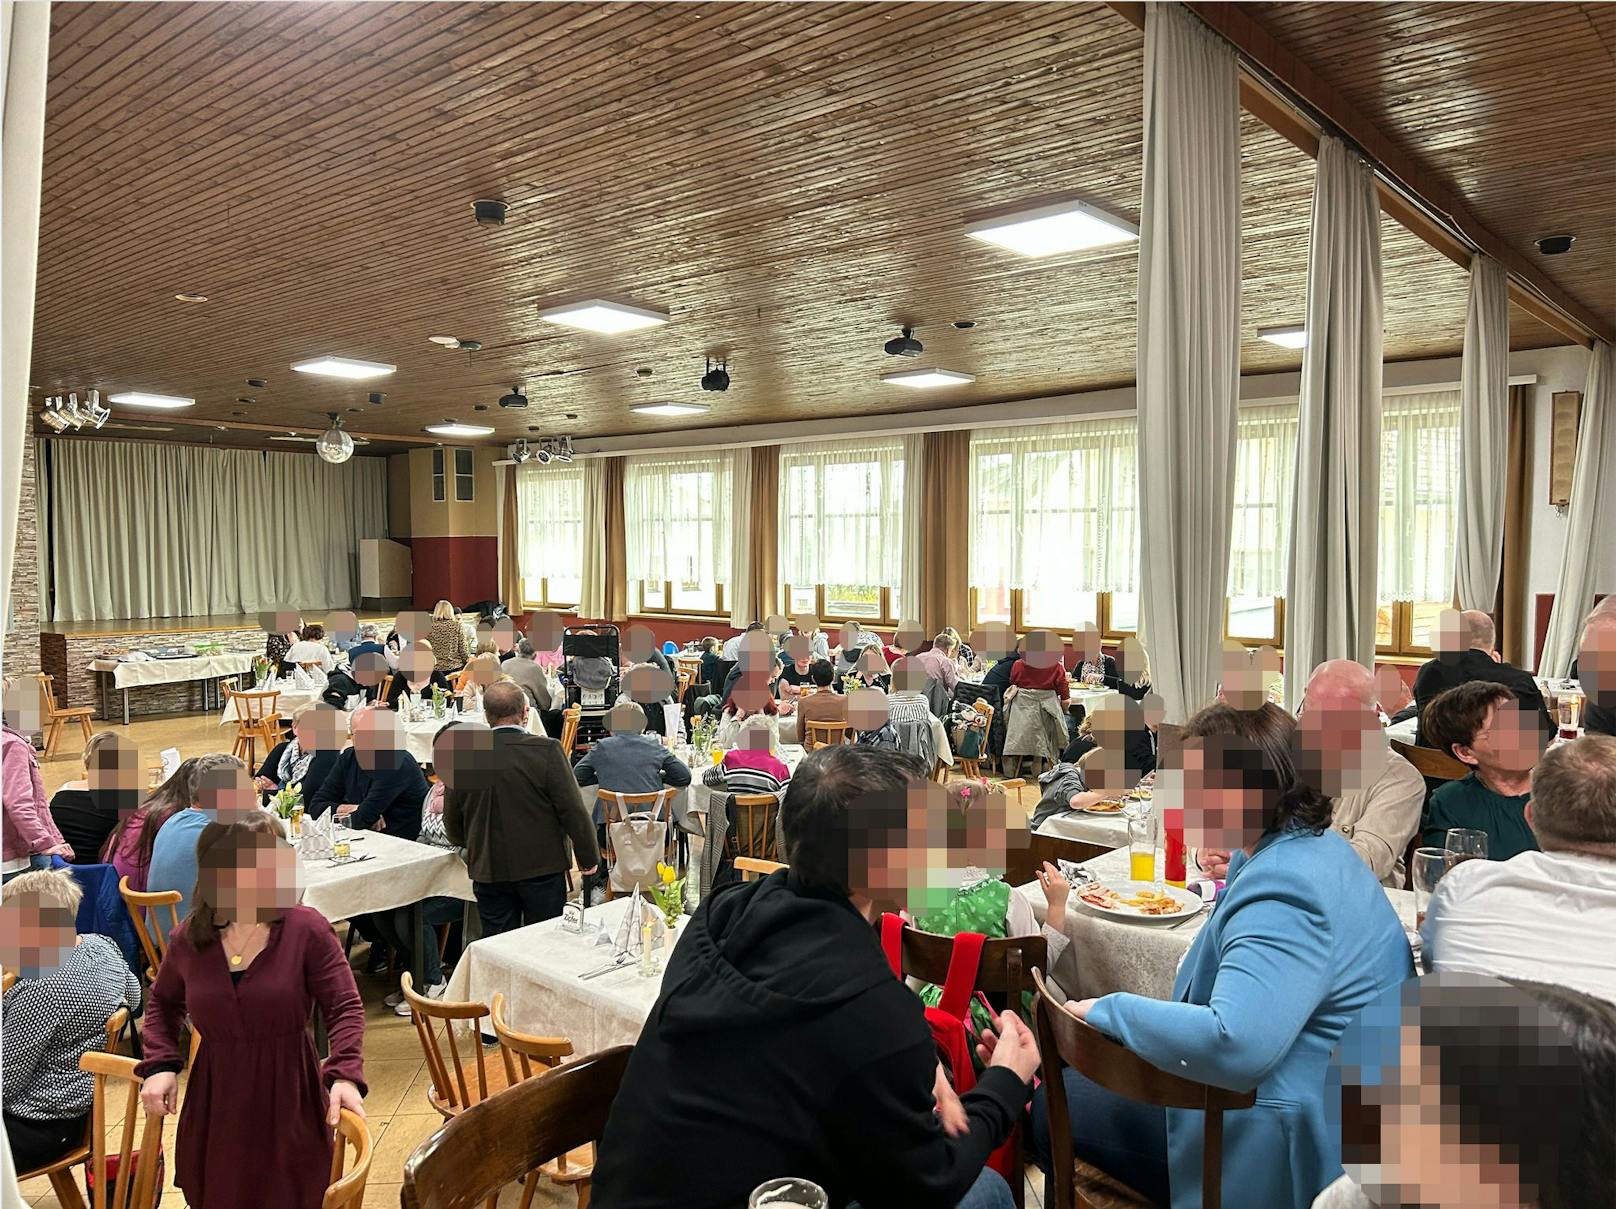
(153, 935)
(256, 720)
(1064, 1040)
(750, 839)
(56, 716)
(454, 1089)
(521, 1051)
(60, 1173)
(750, 868)
(311, 665)
(972, 767)
(687, 679)
(824, 734)
(347, 1191)
(633, 803)
(137, 1181)
(383, 687)
(1429, 762)
(1024, 863)
(569, 728)
(496, 1143)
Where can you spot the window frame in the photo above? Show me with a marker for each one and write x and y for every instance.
(440, 480)
(1402, 645)
(641, 609)
(885, 620)
(546, 601)
(1277, 641)
(1108, 635)
(468, 477)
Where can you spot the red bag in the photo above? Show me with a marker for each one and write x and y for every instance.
(113, 1163)
(947, 1020)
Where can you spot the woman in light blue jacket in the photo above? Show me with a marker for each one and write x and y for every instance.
(1302, 938)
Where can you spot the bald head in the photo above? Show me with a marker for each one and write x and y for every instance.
(1478, 630)
(1340, 682)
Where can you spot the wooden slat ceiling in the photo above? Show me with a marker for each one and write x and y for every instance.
(1513, 105)
(790, 181)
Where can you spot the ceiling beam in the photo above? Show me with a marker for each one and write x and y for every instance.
(1285, 94)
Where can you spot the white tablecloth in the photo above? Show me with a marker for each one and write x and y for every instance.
(537, 969)
(418, 736)
(1110, 830)
(1092, 699)
(130, 673)
(700, 802)
(1106, 956)
(402, 872)
(290, 699)
(1404, 731)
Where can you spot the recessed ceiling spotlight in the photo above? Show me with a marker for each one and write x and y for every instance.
(1556, 245)
(1293, 336)
(571, 415)
(605, 318)
(138, 398)
(1051, 230)
(245, 399)
(964, 325)
(344, 367)
(489, 212)
(669, 409)
(928, 377)
(375, 396)
(190, 297)
(238, 413)
(453, 428)
(479, 407)
(257, 383)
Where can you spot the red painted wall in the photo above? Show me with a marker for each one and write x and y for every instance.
(460, 569)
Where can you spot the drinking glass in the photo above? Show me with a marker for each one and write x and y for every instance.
(1465, 844)
(1424, 872)
(787, 1193)
(1141, 845)
(1569, 710)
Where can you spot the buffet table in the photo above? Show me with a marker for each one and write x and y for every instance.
(121, 675)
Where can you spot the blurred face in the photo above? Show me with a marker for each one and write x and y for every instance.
(1042, 649)
(35, 940)
(754, 738)
(369, 669)
(646, 683)
(1222, 810)
(1596, 662)
(756, 656)
(253, 880)
(24, 709)
(415, 664)
(322, 728)
(909, 636)
(412, 626)
(374, 731)
(1508, 741)
(806, 623)
(886, 864)
(115, 767)
(638, 643)
(1247, 674)
(800, 650)
(866, 709)
(908, 677)
(1450, 632)
(282, 621)
(342, 625)
(226, 794)
(484, 671)
(544, 630)
(1343, 747)
(994, 640)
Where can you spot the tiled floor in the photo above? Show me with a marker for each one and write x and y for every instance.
(397, 1109)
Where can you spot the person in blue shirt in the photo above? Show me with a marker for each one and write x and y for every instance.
(1301, 939)
(224, 793)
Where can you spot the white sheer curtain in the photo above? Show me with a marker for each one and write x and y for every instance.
(1264, 477)
(1484, 437)
(678, 518)
(842, 513)
(1189, 350)
(1330, 600)
(743, 610)
(550, 528)
(24, 50)
(142, 529)
(592, 591)
(1588, 529)
(1419, 484)
(1053, 507)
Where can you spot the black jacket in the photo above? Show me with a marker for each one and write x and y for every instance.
(85, 817)
(401, 685)
(314, 776)
(814, 1061)
(392, 791)
(1437, 676)
(514, 809)
(999, 673)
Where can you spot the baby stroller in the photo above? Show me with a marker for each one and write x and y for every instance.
(590, 676)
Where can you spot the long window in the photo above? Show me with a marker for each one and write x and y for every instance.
(1259, 533)
(841, 529)
(679, 528)
(550, 520)
(1419, 486)
(1054, 526)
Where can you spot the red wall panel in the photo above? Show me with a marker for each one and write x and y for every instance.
(460, 569)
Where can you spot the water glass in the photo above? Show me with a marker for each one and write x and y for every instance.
(1569, 711)
(787, 1192)
(1465, 844)
(1426, 869)
(1141, 845)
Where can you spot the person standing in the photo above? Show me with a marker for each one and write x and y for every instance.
(28, 829)
(516, 810)
(247, 967)
(448, 638)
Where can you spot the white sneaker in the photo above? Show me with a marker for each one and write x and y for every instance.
(434, 991)
(393, 1000)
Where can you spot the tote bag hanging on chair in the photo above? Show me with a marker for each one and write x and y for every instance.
(639, 841)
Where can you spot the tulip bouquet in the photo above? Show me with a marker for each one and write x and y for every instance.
(669, 893)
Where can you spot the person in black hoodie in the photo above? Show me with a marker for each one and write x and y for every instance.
(781, 1027)
(375, 781)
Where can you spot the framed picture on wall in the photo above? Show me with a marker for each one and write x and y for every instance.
(1565, 412)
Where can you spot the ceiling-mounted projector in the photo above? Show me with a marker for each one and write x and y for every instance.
(515, 399)
(905, 345)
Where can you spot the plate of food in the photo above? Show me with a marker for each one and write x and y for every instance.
(1138, 902)
(1103, 808)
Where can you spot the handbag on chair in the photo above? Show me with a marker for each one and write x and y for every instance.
(638, 842)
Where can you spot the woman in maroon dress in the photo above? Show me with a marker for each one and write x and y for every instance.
(246, 966)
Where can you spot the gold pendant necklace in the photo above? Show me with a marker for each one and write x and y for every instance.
(237, 958)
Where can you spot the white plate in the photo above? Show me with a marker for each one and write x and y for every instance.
(1189, 904)
(1114, 813)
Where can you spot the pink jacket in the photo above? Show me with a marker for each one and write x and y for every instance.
(28, 826)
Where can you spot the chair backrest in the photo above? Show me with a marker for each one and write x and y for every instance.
(984, 708)
(47, 692)
(384, 687)
(1006, 966)
(1024, 862)
(253, 708)
(115, 1025)
(569, 727)
(152, 933)
(633, 803)
(751, 868)
(310, 665)
(496, 1143)
(824, 734)
(1428, 762)
(521, 1050)
(1064, 1040)
(7, 977)
(347, 1191)
(136, 1184)
(455, 1086)
(751, 839)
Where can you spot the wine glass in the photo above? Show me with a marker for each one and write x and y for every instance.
(788, 1192)
(1465, 844)
(1424, 871)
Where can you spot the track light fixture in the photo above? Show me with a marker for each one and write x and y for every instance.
(716, 379)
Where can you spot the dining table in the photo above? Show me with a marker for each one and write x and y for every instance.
(419, 727)
(1110, 955)
(122, 673)
(541, 971)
